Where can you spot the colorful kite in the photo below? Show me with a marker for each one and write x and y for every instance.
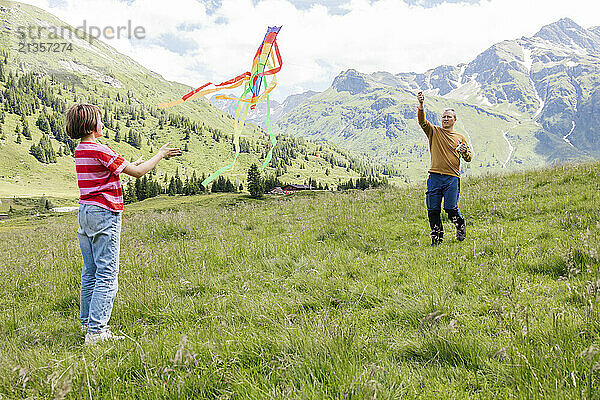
(266, 63)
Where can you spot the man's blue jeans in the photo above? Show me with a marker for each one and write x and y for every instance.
(99, 236)
(440, 187)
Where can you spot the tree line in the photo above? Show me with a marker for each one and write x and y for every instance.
(363, 183)
(147, 187)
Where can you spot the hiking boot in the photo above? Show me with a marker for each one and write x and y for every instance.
(437, 229)
(95, 338)
(437, 237)
(461, 232)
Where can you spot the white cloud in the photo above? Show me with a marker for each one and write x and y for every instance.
(384, 35)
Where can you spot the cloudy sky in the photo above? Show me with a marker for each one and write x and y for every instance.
(195, 41)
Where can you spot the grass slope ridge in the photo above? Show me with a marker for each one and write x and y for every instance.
(320, 296)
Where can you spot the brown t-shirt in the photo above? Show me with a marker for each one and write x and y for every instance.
(442, 146)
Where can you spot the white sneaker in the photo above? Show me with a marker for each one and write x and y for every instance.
(94, 338)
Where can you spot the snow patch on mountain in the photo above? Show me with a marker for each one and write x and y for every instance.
(539, 99)
(566, 137)
(484, 100)
(511, 148)
(433, 92)
(527, 60)
(465, 91)
(461, 73)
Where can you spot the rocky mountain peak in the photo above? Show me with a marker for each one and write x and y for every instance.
(350, 81)
(568, 33)
(295, 100)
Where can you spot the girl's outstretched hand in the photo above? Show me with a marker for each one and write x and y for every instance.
(167, 151)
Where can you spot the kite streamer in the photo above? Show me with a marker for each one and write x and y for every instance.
(266, 63)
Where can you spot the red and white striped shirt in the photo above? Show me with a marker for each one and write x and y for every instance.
(98, 168)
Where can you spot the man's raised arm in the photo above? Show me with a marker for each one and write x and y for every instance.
(425, 125)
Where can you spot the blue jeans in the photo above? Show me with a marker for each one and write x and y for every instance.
(99, 236)
(447, 187)
(442, 186)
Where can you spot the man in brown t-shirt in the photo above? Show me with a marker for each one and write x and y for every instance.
(447, 148)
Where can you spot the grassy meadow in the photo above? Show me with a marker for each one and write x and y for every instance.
(319, 296)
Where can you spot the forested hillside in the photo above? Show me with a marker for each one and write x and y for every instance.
(36, 89)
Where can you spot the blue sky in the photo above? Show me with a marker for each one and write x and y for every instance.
(195, 41)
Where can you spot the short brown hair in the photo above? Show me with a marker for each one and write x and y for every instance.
(82, 119)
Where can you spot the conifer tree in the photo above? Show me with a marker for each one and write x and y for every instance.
(35, 151)
(229, 188)
(129, 195)
(255, 182)
(25, 128)
(42, 123)
(178, 185)
(138, 189)
(43, 151)
(144, 188)
(48, 149)
(219, 186)
(171, 191)
(203, 188)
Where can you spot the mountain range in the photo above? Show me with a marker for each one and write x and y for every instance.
(522, 103)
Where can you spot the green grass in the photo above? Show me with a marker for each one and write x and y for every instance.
(320, 295)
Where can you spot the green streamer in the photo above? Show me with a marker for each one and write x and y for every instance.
(239, 123)
(271, 136)
(236, 139)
